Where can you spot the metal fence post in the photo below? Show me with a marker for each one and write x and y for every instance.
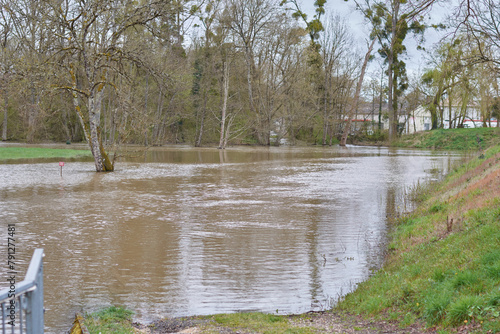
(34, 312)
(28, 299)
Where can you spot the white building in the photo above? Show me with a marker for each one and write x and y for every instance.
(420, 119)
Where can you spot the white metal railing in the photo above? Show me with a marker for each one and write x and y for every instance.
(22, 307)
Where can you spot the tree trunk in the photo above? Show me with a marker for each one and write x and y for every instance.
(199, 132)
(450, 105)
(32, 117)
(101, 159)
(146, 143)
(380, 103)
(390, 105)
(325, 110)
(354, 106)
(223, 140)
(5, 116)
(228, 129)
(65, 117)
(92, 129)
(393, 122)
(441, 115)
(158, 119)
(414, 123)
(202, 121)
(253, 109)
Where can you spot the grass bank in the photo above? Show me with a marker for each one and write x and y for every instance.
(443, 139)
(452, 139)
(14, 152)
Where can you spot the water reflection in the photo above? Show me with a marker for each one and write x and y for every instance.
(181, 231)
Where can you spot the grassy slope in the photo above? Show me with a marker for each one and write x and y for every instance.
(447, 275)
(452, 139)
(11, 153)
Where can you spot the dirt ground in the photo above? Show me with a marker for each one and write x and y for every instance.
(321, 322)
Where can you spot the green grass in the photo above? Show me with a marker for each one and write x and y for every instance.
(452, 139)
(11, 153)
(439, 278)
(259, 322)
(110, 320)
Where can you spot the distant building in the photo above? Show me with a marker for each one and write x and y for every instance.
(366, 118)
(420, 119)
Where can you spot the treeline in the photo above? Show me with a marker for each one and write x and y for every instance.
(220, 71)
(252, 68)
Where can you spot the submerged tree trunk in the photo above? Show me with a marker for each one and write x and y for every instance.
(101, 159)
(92, 129)
(354, 106)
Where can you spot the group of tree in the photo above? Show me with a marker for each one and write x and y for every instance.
(465, 67)
(210, 72)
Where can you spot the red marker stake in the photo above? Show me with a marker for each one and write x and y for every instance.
(61, 164)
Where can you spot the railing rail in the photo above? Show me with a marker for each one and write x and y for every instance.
(22, 308)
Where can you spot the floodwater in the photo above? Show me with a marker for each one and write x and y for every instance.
(181, 231)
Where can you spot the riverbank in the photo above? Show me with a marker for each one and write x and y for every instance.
(441, 275)
(442, 139)
(111, 320)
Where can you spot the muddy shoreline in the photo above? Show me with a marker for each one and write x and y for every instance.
(313, 322)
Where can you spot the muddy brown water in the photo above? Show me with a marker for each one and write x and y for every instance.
(179, 231)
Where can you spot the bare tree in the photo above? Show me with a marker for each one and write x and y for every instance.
(481, 19)
(355, 103)
(336, 46)
(93, 50)
(250, 22)
(5, 65)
